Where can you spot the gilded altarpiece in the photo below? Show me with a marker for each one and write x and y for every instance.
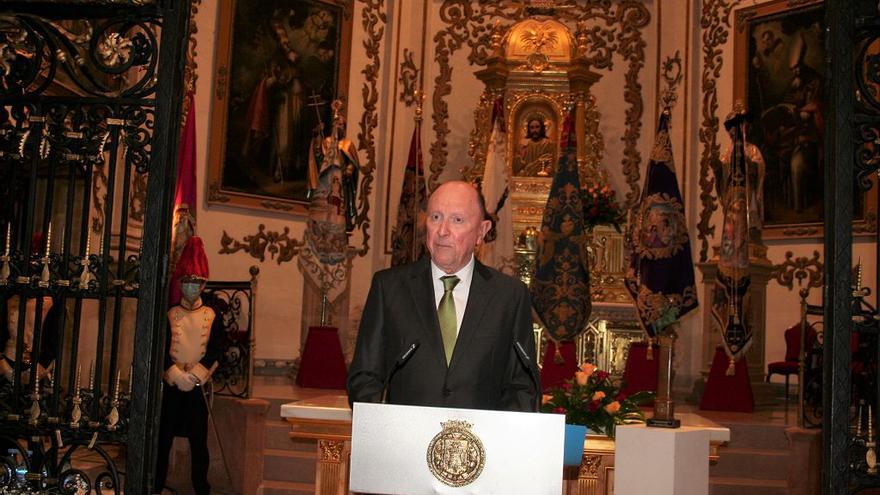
(541, 71)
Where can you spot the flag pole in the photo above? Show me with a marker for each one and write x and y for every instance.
(419, 98)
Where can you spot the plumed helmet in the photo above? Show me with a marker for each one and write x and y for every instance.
(193, 262)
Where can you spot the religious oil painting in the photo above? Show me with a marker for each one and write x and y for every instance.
(779, 76)
(535, 144)
(280, 65)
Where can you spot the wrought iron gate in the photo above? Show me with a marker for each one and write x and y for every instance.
(852, 141)
(90, 95)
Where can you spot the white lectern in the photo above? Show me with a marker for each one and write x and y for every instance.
(429, 450)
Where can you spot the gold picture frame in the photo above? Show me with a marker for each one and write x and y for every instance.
(779, 67)
(274, 61)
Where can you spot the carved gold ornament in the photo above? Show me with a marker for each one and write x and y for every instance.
(715, 22)
(373, 20)
(604, 30)
(456, 456)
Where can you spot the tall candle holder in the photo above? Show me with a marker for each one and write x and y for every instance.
(113, 416)
(76, 401)
(45, 275)
(871, 454)
(85, 276)
(35, 411)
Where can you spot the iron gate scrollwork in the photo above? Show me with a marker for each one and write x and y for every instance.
(234, 304)
(88, 95)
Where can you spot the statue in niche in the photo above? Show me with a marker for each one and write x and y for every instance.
(756, 169)
(536, 152)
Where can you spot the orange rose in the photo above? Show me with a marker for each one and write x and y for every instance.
(599, 395)
(588, 369)
(581, 378)
(613, 407)
(546, 398)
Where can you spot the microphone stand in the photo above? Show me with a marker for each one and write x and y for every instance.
(397, 365)
(527, 362)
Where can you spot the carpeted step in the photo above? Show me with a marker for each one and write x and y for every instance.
(752, 436)
(289, 465)
(759, 464)
(740, 486)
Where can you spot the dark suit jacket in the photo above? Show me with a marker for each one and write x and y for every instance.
(486, 372)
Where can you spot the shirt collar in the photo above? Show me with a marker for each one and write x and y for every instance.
(465, 274)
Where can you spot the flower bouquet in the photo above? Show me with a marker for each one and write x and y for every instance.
(593, 400)
(601, 207)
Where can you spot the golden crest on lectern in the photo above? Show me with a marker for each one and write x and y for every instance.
(455, 455)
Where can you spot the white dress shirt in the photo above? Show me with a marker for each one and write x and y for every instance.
(459, 293)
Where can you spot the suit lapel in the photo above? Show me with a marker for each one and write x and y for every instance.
(422, 290)
(479, 298)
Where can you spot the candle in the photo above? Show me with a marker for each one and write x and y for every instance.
(78, 371)
(88, 244)
(48, 239)
(92, 375)
(116, 386)
(8, 238)
(130, 379)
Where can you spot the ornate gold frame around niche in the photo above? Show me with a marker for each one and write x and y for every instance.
(564, 85)
(604, 30)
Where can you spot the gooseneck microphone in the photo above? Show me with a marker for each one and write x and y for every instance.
(401, 360)
(528, 363)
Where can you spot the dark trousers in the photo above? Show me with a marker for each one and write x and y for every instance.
(184, 414)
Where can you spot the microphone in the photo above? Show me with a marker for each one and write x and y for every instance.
(401, 360)
(527, 362)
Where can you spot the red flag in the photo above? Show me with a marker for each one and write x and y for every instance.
(184, 220)
(408, 237)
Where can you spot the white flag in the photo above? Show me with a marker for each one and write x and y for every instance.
(496, 179)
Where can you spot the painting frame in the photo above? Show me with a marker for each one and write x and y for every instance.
(775, 44)
(240, 181)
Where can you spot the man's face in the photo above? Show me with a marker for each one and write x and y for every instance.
(535, 127)
(454, 225)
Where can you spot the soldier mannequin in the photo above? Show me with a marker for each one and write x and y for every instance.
(192, 356)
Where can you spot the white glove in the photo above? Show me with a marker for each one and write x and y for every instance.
(180, 379)
(187, 381)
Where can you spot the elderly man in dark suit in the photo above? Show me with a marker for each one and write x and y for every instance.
(467, 327)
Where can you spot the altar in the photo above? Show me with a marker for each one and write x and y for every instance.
(328, 420)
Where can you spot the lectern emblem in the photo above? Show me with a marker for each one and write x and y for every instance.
(455, 455)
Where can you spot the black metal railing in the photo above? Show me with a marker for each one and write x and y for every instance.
(234, 304)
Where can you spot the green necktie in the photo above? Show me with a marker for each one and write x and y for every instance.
(446, 315)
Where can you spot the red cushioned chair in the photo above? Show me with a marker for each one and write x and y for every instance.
(792, 347)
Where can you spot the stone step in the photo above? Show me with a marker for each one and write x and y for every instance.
(739, 486)
(750, 436)
(289, 465)
(286, 488)
(757, 464)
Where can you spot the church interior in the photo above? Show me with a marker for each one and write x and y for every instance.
(255, 163)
